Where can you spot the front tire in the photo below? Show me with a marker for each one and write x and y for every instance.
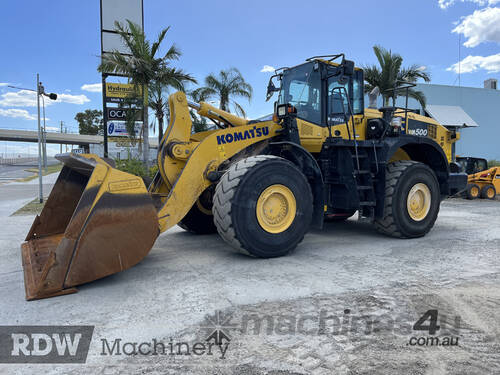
(263, 206)
(488, 192)
(473, 191)
(412, 200)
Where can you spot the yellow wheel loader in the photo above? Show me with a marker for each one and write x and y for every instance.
(482, 182)
(260, 184)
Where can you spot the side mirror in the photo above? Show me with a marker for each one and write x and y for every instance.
(271, 88)
(348, 67)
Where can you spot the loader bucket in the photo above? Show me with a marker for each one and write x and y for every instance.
(97, 221)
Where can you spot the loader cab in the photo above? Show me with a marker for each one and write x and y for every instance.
(471, 165)
(322, 92)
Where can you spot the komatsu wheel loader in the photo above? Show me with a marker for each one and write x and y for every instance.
(260, 184)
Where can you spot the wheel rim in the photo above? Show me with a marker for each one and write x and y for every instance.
(202, 208)
(419, 201)
(474, 191)
(276, 208)
(490, 193)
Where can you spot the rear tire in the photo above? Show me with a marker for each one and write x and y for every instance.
(412, 200)
(473, 191)
(488, 192)
(244, 204)
(199, 219)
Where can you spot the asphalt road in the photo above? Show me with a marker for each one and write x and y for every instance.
(16, 171)
(344, 302)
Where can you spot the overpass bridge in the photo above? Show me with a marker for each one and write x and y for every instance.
(58, 138)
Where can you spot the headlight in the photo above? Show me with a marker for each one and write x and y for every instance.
(283, 109)
(396, 122)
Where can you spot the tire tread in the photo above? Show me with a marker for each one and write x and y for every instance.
(387, 224)
(224, 194)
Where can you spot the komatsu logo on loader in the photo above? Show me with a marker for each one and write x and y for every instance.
(255, 132)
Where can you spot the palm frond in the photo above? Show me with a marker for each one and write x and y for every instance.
(173, 53)
(239, 109)
(419, 96)
(157, 43)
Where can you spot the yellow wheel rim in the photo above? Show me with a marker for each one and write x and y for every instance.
(276, 208)
(419, 201)
(474, 191)
(490, 193)
(206, 211)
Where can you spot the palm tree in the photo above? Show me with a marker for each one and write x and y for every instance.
(391, 74)
(158, 93)
(199, 122)
(223, 87)
(158, 102)
(144, 66)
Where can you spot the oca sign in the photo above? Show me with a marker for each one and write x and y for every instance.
(120, 114)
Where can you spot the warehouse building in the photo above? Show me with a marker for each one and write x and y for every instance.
(477, 108)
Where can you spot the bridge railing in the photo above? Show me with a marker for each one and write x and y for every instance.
(14, 161)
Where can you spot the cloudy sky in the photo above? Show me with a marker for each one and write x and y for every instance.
(60, 40)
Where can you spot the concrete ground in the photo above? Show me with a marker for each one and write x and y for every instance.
(344, 302)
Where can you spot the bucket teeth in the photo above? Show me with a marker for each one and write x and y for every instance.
(38, 257)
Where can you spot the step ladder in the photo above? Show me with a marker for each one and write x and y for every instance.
(365, 186)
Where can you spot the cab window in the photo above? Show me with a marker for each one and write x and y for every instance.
(337, 99)
(301, 87)
(358, 102)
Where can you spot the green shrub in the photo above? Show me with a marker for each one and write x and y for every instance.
(136, 167)
(493, 163)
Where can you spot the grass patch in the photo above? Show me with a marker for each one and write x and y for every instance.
(32, 208)
(50, 169)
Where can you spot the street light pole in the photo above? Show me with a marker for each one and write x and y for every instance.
(44, 138)
(60, 146)
(40, 184)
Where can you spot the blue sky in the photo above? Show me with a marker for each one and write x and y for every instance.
(60, 40)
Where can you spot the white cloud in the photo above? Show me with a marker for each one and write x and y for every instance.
(22, 98)
(481, 26)
(73, 99)
(269, 68)
(94, 87)
(17, 113)
(472, 63)
(25, 98)
(444, 4)
(4, 84)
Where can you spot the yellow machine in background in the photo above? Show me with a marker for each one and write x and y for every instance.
(260, 184)
(482, 182)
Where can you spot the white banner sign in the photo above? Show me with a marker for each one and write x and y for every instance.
(119, 129)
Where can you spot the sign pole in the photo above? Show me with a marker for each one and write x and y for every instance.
(104, 116)
(40, 184)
